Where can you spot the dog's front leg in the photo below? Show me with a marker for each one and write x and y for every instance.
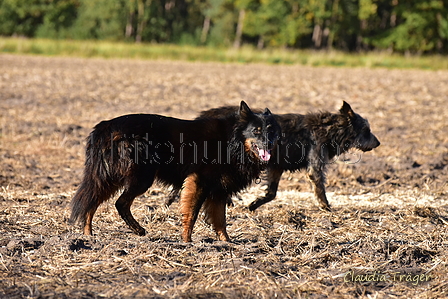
(215, 213)
(319, 188)
(191, 199)
(316, 174)
(273, 178)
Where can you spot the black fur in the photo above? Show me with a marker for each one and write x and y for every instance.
(310, 142)
(209, 159)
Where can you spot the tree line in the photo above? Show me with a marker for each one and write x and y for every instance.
(404, 26)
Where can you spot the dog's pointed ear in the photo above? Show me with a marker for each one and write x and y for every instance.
(267, 111)
(245, 111)
(347, 110)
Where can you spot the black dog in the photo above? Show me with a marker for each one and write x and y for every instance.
(310, 142)
(208, 159)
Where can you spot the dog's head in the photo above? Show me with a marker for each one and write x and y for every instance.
(260, 131)
(364, 139)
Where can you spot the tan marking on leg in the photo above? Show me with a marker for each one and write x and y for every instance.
(189, 201)
(215, 213)
(87, 230)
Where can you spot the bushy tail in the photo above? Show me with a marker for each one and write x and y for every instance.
(98, 183)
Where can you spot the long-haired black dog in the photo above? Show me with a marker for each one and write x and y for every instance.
(310, 142)
(208, 159)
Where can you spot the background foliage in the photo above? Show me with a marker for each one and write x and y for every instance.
(404, 26)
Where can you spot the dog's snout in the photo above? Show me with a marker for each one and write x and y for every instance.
(377, 142)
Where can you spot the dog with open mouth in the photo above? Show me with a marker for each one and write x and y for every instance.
(207, 159)
(309, 142)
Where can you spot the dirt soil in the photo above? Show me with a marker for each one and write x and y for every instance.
(387, 236)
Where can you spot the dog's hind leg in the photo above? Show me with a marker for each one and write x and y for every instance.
(215, 213)
(191, 199)
(87, 230)
(138, 183)
(87, 199)
(273, 177)
(317, 178)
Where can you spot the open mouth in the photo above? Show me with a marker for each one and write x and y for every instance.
(263, 154)
(365, 149)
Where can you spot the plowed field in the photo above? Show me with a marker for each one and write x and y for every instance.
(387, 236)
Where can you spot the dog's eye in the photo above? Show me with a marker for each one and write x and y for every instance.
(256, 131)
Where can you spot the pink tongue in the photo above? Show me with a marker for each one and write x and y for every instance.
(264, 155)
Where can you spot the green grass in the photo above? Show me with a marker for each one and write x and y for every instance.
(107, 49)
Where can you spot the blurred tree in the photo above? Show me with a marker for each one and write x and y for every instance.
(319, 13)
(223, 17)
(266, 20)
(129, 24)
(209, 9)
(406, 26)
(415, 27)
(101, 19)
(22, 17)
(298, 23)
(58, 19)
(241, 5)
